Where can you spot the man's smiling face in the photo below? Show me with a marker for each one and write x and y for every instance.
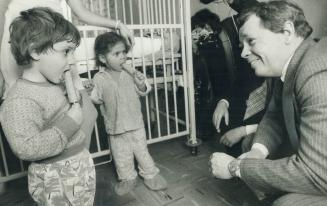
(265, 50)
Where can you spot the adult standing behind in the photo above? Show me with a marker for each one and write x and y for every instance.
(9, 69)
(232, 106)
(211, 75)
(3, 7)
(276, 42)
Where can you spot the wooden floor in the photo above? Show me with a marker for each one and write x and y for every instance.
(189, 182)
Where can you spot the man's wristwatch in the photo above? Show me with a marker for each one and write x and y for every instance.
(234, 168)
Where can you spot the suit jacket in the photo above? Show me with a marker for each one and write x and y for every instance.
(298, 109)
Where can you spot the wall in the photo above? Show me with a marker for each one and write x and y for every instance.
(315, 11)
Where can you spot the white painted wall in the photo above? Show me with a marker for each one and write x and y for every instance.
(314, 10)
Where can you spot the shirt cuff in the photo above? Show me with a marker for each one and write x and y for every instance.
(260, 147)
(224, 100)
(252, 128)
(238, 171)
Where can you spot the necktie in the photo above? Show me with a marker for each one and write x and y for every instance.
(256, 101)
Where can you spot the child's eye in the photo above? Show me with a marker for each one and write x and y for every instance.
(67, 51)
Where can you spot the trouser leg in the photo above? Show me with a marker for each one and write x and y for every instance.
(122, 153)
(146, 165)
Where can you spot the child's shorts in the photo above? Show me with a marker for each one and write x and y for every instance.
(67, 182)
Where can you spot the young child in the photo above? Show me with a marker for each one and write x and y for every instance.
(8, 67)
(38, 121)
(117, 89)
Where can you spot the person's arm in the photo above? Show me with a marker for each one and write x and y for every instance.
(21, 120)
(271, 129)
(235, 135)
(270, 132)
(3, 8)
(301, 172)
(97, 91)
(142, 85)
(220, 112)
(93, 19)
(251, 128)
(2, 84)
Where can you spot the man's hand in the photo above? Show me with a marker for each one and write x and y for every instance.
(233, 136)
(220, 112)
(253, 154)
(218, 165)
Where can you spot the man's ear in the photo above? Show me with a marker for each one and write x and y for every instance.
(289, 31)
(102, 59)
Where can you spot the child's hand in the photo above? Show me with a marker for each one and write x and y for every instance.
(75, 112)
(88, 85)
(139, 80)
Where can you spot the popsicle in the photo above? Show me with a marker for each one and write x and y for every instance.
(72, 97)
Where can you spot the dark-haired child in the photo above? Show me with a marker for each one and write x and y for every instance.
(117, 89)
(39, 123)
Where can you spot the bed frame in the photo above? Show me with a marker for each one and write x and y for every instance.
(169, 108)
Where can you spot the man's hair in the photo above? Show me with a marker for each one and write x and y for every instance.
(37, 30)
(105, 42)
(274, 14)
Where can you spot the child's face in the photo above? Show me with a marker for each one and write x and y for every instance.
(116, 57)
(53, 63)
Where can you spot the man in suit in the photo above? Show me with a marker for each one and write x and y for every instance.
(276, 42)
